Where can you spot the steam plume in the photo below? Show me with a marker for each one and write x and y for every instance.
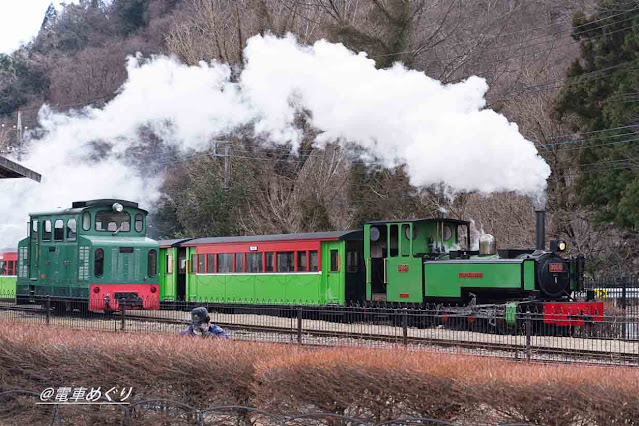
(441, 132)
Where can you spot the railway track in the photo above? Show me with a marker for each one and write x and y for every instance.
(319, 337)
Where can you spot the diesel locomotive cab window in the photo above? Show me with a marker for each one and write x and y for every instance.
(139, 222)
(98, 266)
(285, 261)
(314, 260)
(72, 230)
(58, 232)
(152, 264)
(110, 221)
(46, 232)
(34, 230)
(86, 221)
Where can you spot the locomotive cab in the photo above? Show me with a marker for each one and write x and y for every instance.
(96, 251)
(394, 252)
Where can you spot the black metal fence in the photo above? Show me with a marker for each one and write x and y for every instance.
(612, 338)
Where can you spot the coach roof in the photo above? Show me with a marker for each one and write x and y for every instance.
(334, 235)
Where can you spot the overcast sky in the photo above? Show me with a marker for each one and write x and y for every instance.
(20, 20)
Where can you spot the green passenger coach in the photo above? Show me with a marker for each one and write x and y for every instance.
(313, 268)
(96, 251)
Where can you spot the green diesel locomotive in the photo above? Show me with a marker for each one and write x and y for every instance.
(96, 251)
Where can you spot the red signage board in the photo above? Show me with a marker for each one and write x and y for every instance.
(402, 268)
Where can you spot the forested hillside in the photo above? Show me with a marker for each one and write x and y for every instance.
(564, 71)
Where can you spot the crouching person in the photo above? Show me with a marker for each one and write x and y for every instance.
(201, 325)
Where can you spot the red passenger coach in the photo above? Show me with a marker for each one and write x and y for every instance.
(8, 263)
(309, 268)
(255, 256)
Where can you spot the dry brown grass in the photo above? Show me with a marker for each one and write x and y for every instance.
(373, 384)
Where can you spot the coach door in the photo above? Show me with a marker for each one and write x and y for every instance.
(332, 264)
(181, 275)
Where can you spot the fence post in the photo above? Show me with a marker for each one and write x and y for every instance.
(624, 326)
(122, 314)
(48, 307)
(405, 326)
(299, 325)
(528, 334)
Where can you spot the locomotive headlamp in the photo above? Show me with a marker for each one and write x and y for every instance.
(558, 246)
(117, 207)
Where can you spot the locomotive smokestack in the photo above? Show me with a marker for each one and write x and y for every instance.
(540, 229)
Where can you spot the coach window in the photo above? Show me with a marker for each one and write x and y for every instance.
(254, 262)
(352, 261)
(152, 264)
(314, 260)
(169, 264)
(302, 261)
(193, 264)
(98, 266)
(285, 261)
(334, 261)
(225, 263)
(239, 262)
(268, 262)
(210, 264)
(3, 267)
(86, 221)
(139, 222)
(200, 263)
(46, 232)
(72, 230)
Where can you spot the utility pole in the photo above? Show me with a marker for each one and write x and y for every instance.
(227, 165)
(19, 130)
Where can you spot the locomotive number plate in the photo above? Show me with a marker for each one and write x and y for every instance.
(556, 267)
(402, 268)
(471, 275)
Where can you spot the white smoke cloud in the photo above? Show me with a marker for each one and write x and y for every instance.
(441, 132)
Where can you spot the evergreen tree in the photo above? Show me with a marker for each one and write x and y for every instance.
(600, 96)
(132, 15)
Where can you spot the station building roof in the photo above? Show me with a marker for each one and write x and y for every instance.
(12, 170)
